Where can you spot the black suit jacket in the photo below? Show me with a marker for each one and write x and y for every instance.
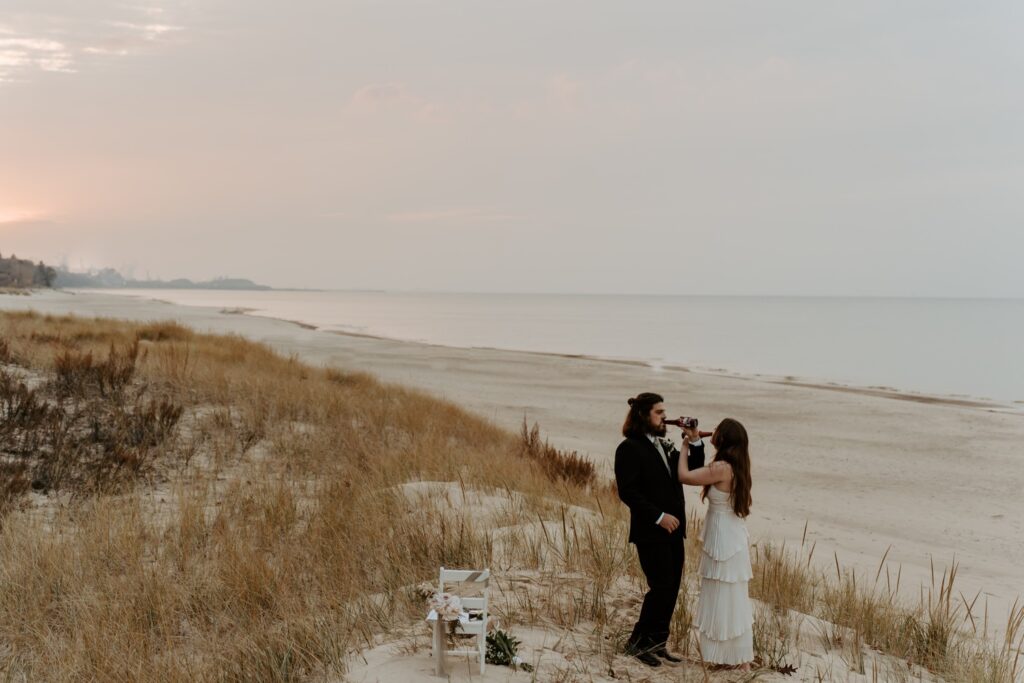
(649, 489)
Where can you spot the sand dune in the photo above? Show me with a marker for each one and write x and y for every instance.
(865, 469)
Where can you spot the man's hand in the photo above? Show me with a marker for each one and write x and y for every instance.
(669, 523)
(692, 435)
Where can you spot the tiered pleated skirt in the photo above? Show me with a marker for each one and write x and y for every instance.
(725, 618)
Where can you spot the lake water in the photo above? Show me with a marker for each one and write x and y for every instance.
(961, 347)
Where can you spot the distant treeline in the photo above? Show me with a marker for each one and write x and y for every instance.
(22, 273)
(16, 272)
(108, 278)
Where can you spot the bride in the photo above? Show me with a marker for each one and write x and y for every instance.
(724, 615)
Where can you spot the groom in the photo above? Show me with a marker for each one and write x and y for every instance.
(647, 477)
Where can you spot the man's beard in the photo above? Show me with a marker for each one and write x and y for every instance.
(660, 430)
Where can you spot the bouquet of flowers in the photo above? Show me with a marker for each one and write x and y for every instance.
(447, 606)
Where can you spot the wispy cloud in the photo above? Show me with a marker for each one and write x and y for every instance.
(34, 44)
(106, 50)
(45, 43)
(149, 32)
(20, 53)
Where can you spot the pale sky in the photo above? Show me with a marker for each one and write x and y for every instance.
(815, 147)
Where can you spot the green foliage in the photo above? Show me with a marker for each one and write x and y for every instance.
(502, 649)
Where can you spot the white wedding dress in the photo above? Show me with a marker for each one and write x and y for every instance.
(724, 615)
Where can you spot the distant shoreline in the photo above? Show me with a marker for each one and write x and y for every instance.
(818, 383)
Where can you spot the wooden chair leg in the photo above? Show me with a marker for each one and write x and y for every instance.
(439, 646)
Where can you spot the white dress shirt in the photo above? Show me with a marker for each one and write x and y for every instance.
(664, 456)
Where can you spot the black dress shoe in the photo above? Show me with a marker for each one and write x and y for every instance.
(648, 659)
(664, 654)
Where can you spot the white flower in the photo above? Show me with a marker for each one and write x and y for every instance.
(447, 606)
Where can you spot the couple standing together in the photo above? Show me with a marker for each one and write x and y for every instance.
(649, 473)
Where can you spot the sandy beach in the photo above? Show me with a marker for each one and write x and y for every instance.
(865, 470)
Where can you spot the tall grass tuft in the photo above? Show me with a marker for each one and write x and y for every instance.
(558, 465)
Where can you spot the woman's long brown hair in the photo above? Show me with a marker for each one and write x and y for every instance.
(731, 446)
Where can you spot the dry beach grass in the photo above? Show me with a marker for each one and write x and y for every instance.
(186, 507)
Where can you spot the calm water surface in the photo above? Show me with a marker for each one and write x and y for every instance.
(969, 347)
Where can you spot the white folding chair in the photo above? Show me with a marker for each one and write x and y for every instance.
(473, 582)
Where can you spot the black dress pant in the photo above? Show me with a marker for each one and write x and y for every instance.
(662, 563)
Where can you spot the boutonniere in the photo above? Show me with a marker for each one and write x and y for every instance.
(667, 444)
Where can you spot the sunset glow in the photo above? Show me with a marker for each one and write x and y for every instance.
(14, 215)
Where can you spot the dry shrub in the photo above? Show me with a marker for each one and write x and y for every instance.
(150, 423)
(77, 374)
(24, 416)
(164, 332)
(348, 379)
(558, 465)
(47, 338)
(14, 483)
(94, 431)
